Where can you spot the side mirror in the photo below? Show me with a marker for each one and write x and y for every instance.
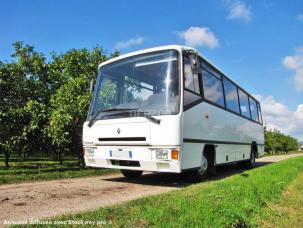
(91, 86)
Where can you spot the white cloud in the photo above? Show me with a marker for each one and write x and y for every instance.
(276, 115)
(295, 63)
(238, 10)
(128, 43)
(300, 17)
(199, 36)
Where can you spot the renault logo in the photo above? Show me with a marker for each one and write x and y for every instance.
(118, 130)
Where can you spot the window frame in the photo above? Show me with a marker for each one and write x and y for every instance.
(199, 81)
(254, 100)
(247, 102)
(97, 84)
(223, 92)
(200, 95)
(230, 81)
(259, 112)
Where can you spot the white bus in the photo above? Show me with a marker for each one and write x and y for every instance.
(167, 109)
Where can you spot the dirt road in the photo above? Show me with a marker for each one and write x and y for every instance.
(50, 198)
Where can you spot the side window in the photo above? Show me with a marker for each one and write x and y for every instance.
(253, 109)
(244, 106)
(212, 87)
(190, 98)
(191, 80)
(259, 114)
(231, 96)
(210, 70)
(191, 84)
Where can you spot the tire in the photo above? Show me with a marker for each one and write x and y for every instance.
(131, 174)
(201, 173)
(249, 163)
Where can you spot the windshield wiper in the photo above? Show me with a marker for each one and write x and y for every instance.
(119, 109)
(92, 120)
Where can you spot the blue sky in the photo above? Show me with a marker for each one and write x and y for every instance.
(256, 43)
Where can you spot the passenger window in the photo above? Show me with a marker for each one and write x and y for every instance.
(210, 70)
(231, 96)
(253, 109)
(259, 114)
(244, 107)
(190, 98)
(212, 87)
(191, 80)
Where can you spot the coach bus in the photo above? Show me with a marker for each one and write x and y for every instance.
(167, 109)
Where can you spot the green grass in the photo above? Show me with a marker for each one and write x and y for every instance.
(287, 212)
(231, 202)
(39, 168)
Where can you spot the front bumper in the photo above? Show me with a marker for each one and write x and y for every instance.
(131, 158)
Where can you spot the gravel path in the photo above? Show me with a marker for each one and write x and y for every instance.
(50, 198)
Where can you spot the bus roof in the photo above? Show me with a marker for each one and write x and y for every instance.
(161, 48)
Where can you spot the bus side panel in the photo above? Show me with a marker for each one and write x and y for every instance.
(260, 150)
(192, 152)
(209, 123)
(229, 153)
(191, 155)
(242, 152)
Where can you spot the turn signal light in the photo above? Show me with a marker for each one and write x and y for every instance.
(175, 154)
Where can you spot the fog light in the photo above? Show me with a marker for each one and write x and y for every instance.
(161, 154)
(89, 152)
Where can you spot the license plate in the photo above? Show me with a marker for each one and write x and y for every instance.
(119, 154)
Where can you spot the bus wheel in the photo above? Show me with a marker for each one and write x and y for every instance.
(201, 173)
(131, 174)
(249, 163)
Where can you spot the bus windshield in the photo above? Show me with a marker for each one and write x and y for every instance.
(146, 83)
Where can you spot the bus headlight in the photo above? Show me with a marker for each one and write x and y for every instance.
(162, 154)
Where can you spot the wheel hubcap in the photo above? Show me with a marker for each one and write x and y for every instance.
(204, 165)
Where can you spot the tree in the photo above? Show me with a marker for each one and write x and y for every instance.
(43, 103)
(275, 141)
(70, 103)
(12, 99)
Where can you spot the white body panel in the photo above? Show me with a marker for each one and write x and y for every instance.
(165, 135)
(231, 134)
(207, 122)
(168, 133)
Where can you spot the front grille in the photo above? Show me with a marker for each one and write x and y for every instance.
(122, 139)
(125, 163)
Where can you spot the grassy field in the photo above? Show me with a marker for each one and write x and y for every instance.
(237, 201)
(35, 169)
(288, 211)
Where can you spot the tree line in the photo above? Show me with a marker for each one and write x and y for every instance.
(276, 141)
(44, 101)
